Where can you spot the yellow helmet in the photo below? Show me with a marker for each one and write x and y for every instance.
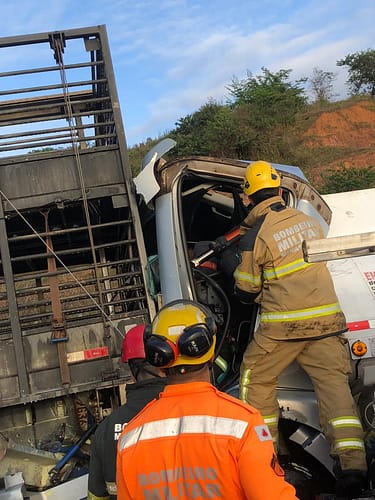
(260, 175)
(182, 333)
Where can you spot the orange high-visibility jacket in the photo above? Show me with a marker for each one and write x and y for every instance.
(197, 442)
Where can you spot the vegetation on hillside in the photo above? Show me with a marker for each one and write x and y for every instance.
(361, 71)
(347, 179)
(266, 116)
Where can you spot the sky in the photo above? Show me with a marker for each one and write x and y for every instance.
(171, 56)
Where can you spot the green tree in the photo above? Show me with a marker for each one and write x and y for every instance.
(191, 131)
(361, 71)
(214, 130)
(267, 106)
(347, 179)
(273, 99)
(221, 133)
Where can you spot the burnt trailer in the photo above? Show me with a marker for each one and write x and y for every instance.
(73, 267)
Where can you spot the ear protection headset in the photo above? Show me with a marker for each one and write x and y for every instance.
(193, 345)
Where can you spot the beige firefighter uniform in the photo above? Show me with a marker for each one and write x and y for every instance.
(300, 319)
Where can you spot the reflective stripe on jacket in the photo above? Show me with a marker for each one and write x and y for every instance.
(297, 298)
(197, 442)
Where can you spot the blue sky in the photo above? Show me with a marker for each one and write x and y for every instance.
(171, 56)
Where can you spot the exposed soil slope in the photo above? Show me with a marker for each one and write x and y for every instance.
(349, 133)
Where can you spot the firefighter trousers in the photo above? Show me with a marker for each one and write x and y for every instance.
(327, 363)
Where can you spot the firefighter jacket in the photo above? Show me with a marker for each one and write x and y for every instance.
(297, 299)
(102, 469)
(197, 442)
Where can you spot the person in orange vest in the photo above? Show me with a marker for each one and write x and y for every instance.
(300, 320)
(195, 441)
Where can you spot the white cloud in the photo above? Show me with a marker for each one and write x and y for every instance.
(170, 56)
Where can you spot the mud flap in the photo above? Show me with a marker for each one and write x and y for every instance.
(315, 444)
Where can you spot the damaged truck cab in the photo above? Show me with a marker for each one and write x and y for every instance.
(188, 204)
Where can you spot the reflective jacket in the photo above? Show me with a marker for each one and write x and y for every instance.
(297, 299)
(197, 442)
(102, 469)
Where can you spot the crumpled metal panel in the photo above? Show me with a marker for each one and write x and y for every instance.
(12, 487)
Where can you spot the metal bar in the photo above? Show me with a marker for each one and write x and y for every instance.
(26, 133)
(48, 68)
(63, 287)
(70, 34)
(37, 140)
(59, 232)
(29, 145)
(47, 118)
(28, 105)
(59, 334)
(140, 311)
(339, 247)
(13, 310)
(76, 270)
(55, 86)
(61, 253)
(24, 277)
(81, 307)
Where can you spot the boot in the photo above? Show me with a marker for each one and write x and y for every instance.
(350, 484)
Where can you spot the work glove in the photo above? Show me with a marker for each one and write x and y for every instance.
(228, 260)
(219, 245)
(245, 297)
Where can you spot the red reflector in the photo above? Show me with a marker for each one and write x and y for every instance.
(358, 325)
(97, 352)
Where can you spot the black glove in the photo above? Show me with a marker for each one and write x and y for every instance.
(228, 261)
(245, 297)
(219, 245)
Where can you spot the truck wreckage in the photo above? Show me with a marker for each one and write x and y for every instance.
(87, 252)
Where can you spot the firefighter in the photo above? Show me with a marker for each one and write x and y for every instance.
(300, 319)
(195, 441)
(149, 382)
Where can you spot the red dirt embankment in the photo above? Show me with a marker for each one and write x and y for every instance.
(351, 129)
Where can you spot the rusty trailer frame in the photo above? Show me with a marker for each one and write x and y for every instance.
(73, 265)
